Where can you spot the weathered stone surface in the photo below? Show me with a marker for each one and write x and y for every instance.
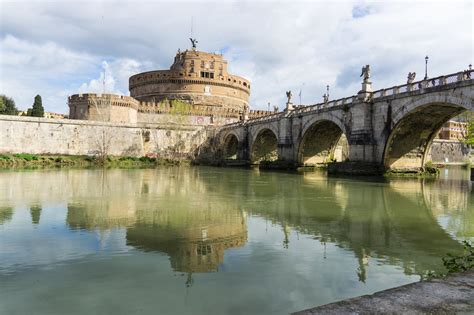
(454, 294)
(79, 137)
(449, 151)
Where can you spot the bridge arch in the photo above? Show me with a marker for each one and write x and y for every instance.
(230, 150)
(323, 139)
(415, 125)
(264, 146)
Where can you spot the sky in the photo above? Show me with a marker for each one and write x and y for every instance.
(59, 48)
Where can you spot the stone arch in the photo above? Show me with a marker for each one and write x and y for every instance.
(324, 116)
(256, 130)
(322, 140)
(230, 146)
(264, 146)
(415, 125)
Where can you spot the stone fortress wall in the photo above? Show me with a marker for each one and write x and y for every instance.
(80, 137)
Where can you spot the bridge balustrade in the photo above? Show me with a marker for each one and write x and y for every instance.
(395, 90)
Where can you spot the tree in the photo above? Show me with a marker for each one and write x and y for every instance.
(7, 106)
(468, 118)
(470, 132)
(37, 110)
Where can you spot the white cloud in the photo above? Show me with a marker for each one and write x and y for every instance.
(277, 45)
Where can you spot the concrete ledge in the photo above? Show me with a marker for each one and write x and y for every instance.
(453, 294)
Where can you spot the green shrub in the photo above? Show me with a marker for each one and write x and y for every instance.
(128, 158)
(462, 262)
(90, 158)
(26, 156)
(452, 263)
(5, 157)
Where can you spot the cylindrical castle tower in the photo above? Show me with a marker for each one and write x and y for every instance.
(197, 77)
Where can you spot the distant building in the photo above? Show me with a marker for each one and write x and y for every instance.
(46, 114)
(453, 130)
(54, 115)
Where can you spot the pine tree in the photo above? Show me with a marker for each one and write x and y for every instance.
(37, 109)
(7, 106)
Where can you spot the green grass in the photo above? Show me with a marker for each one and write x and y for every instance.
(23, 160)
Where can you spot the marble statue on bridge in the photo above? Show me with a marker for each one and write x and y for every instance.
(366, 73)
(411, 77)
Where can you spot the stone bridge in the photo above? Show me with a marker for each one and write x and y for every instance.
(392, 127)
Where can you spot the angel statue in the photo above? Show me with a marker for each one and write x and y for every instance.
(325, 98)
(288, 96)
(193, 42)
(366, 73)
(411, 77)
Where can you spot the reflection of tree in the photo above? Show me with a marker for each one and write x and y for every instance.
(35, 212)
(6, 214)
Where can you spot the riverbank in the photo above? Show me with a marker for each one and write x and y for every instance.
(449, 295)
(34, 161)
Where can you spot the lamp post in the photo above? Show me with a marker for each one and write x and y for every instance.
(327, 91)
(470, 66)
(426, 68)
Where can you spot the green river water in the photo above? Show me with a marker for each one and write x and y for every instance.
(198, 240)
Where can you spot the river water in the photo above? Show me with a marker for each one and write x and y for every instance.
(198, 240)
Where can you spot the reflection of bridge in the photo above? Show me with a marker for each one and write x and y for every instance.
(393, 127)
(392, 222)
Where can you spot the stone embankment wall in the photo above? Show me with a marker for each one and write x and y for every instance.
(449, 151)
(79, 137)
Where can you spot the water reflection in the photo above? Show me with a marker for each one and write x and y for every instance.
(195, 215)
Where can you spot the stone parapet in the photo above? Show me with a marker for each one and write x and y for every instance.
(259, 113)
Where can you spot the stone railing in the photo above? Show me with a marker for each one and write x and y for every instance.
(347, 101)
(423, 84)
(316, 107)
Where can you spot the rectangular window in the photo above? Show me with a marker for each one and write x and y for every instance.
(205, 74)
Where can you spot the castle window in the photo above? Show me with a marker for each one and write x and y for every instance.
(205, 74)
(202, 63)
(245, 84)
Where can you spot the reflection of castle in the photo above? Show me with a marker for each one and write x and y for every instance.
(195, 239)
(197, 85)
(193, 232)
(194, 247)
